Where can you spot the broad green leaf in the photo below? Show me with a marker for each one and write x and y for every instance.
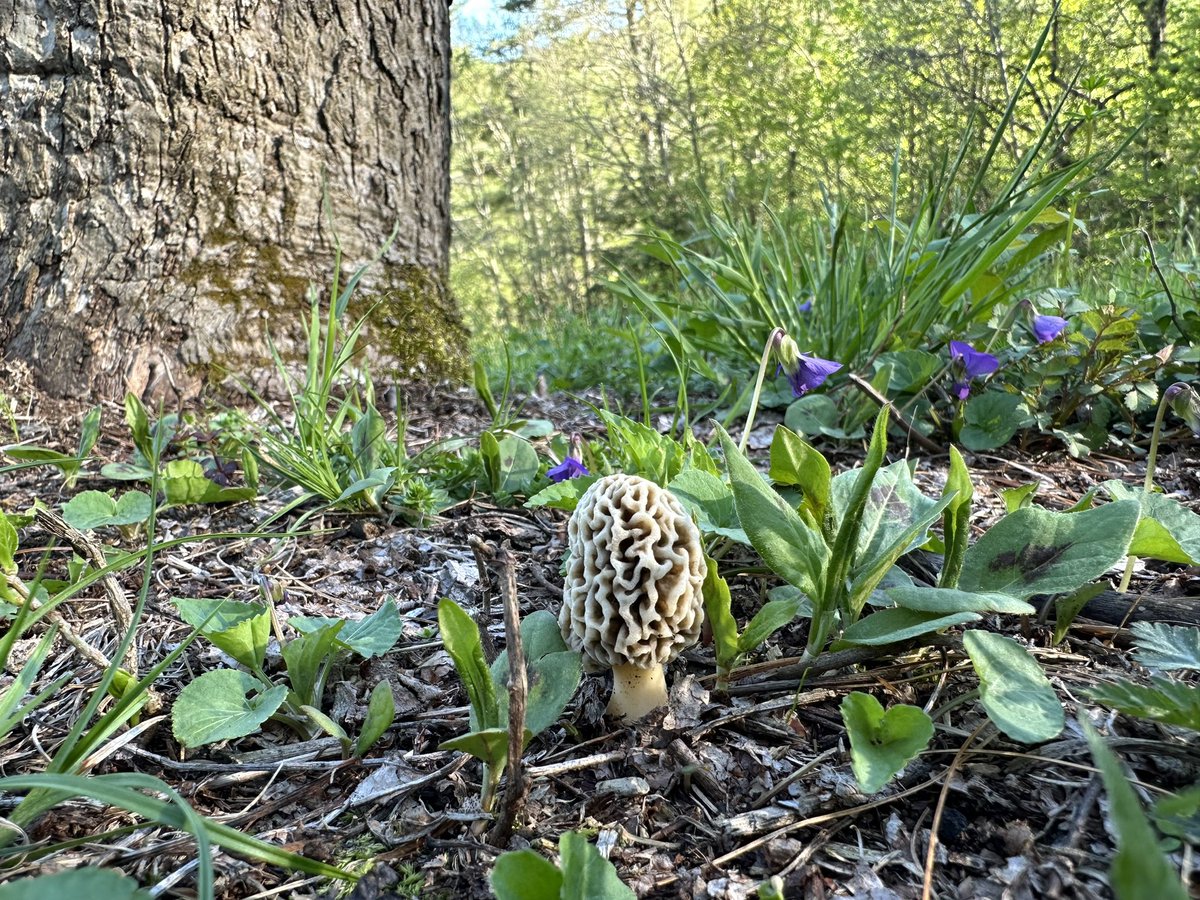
(93, 883)
(775, 614)
(239, 629)
(139, 424)
(795, 461)
(947, 600)
(553, 681)
(89, 431)
(956, 518)
(1163, 700)
(890, 626)
(882, 743)
(381, 712)
(93, 509)
(849, 511)
(372, 635)
(793, 550)
(518, 465)
(586, 874)
(1139, 870)
(1167, 530)
(563, 495)
(523, 875)
(461, 637)
(68, 465)
(1037, 551)
(214, 707)
(710, 501)
(893, 504)
(489, 745)
(540, 636)
(1013, 689)
(719, 615)
(306, 657)
(991, 419)
(1166, 647)
(911, 370)
(184, 482)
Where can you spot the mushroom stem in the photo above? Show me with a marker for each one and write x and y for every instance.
(637, 691)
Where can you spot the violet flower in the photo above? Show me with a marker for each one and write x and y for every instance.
(1047, 328)
(1186, 404)
(969, 363)
(806, 306)
(568, 468)
(803, 372)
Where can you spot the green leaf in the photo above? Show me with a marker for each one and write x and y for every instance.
(563, 495)
(1067, 608)
(793, 550)
(326, 724)
(882, 743)
(849, 510)
(214, 707)
(68, 465)
(93, 509)
(372, 635)
(126, 472)
(1163, 700)
(586, 874)
(381, 712)
(1019, 497)
(1014, 691)
(956, 518)
(540, 636)
(1167, 530)
(1037, 551)
(1179, 814)
(95, 884)
(306, 657)
(1166, 647)
(890, 626)
(8, 546)
(552, 670)
(775, 614)
(991, 419)
(947, 600)
(795, 461)
(523, 875)
(461, 637)
(489, 745)
(89, 432)
(710, 501)
(718, 612)
(184, 482)
(517, 465)
(139, 425)
(237, 628)
(1140, 870)
(911, 370)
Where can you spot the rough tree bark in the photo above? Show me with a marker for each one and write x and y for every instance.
(162, 169)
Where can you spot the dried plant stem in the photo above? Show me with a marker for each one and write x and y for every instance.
(896, 416)
(86, 650)
(87, 548)
(518, 688)
(931, 851)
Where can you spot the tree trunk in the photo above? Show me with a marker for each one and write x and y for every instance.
(163, 167)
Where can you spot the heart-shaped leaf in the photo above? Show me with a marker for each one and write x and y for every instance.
(214, 707)
(586, 874)
(372, 635)
(523, 875)
(237, 628)
(882, 743)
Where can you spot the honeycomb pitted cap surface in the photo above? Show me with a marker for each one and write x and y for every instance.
(633, 585)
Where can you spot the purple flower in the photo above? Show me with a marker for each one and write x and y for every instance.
(961, 389)
(810, 372)
(806, 306)
(568, 468)
(1047, 328)
(1186, 404)
(974, 362)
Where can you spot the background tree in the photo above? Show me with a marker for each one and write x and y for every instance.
(162, 169)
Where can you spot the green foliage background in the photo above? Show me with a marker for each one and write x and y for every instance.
(585, 122)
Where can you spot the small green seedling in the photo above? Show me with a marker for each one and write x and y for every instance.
(69, 465)
(553, 673)
(225, 704)
(584, 873)
(95, 509)
(882, 743)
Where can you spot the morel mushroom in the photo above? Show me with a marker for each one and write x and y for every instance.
(632, 598)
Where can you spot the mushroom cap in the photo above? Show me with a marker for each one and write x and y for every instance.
(633, 584)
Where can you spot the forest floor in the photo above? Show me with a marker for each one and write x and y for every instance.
(707, 799)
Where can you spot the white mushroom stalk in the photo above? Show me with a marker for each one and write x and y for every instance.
(632, 598)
